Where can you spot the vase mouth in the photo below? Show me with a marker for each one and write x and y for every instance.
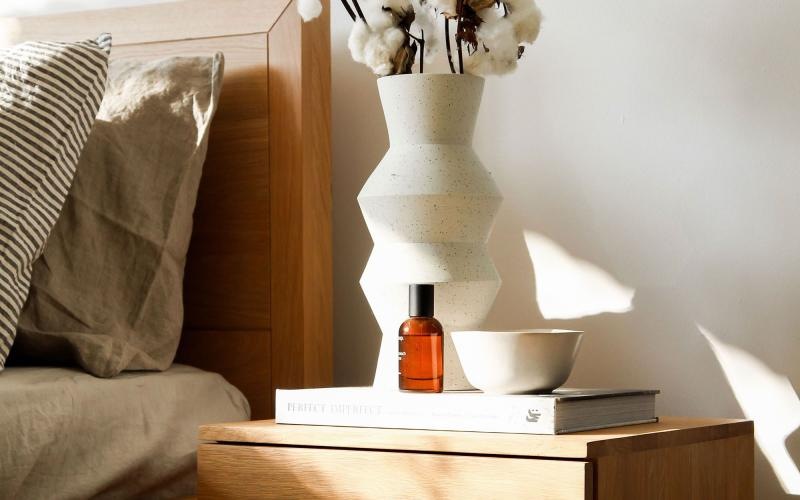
(432, 76)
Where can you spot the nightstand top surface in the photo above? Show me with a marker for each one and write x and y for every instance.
(669, 431)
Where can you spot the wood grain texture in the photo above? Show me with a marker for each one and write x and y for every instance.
(158, 23)
(249, 472)
(245, 363)
(226, 284)
(676, 459)
(300, 202)
(721, 468)
(669, 432)
(227, 270)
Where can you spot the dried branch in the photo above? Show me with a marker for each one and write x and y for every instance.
(421, 49)
(447, 44)
(421, 41)
(360, 13)
(349, 10)
(459, 13)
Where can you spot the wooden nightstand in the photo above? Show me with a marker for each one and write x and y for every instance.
(677, 458)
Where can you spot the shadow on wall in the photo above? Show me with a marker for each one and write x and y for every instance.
(658, 151)
(569, 288)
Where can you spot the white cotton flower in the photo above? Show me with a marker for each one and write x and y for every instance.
(426, 20)
(375, 46)
(358, 40)
(381, 50)
(497, 51)
(526, 18)
(377, 18)
(309, 9)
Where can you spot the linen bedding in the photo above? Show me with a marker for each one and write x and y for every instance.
(66, 434)
(107, 292)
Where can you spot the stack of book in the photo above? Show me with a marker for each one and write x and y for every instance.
(559, 412)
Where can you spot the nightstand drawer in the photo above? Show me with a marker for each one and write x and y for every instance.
(241, 472)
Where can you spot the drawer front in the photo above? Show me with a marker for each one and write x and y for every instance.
(722, 468)
(244, 472)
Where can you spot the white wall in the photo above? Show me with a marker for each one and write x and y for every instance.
(658, 141)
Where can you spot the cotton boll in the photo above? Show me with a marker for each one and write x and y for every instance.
(377, 18)
(360, 35)
(358, 40)
(309, 9)
(497, 51)
(426, 20)
(526, 18)
(381, 48)
(488, 63)
(375, 48)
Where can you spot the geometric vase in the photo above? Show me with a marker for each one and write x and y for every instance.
(429, 206)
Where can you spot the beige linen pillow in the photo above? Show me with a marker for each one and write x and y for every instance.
(107, 292)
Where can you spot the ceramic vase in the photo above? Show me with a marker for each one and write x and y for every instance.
(429, 206)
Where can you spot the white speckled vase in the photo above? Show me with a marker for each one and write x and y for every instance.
(429, 206)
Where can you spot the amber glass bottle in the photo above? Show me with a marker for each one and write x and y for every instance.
(421, 344)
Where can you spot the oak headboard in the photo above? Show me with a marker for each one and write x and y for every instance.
(258, 285)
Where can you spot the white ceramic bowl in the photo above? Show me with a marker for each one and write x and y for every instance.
(518, 361)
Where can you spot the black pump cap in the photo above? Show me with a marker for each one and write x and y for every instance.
(420, 301)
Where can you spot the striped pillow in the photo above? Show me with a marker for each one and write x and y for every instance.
(49, 96)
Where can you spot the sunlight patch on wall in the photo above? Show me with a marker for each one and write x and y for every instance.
(570, 288)
(769, 400)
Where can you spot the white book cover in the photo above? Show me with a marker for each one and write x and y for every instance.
(458, 410)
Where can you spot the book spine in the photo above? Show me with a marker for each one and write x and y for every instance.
(431, 413)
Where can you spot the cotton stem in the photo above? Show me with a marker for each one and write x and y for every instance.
(360, 13)
(421, 41)
(447, 45)
(349, 10)
(459, 12)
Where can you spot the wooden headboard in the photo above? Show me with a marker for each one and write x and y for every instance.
(258, 285)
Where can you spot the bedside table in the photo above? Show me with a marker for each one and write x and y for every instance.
(676, 458)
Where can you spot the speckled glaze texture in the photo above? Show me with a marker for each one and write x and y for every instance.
(429, 205)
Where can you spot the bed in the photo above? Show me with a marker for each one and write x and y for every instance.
(258, 281)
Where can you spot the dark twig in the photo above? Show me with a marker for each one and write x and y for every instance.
(421, 41)
(447, 44)
(459, 13)
(360, 13)
(421, 49)
(349, 10)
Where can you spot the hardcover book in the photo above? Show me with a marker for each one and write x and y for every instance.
(559, 412)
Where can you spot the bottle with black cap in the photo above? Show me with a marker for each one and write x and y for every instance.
(421, 343)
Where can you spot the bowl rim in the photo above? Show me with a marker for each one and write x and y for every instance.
(534, 331)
